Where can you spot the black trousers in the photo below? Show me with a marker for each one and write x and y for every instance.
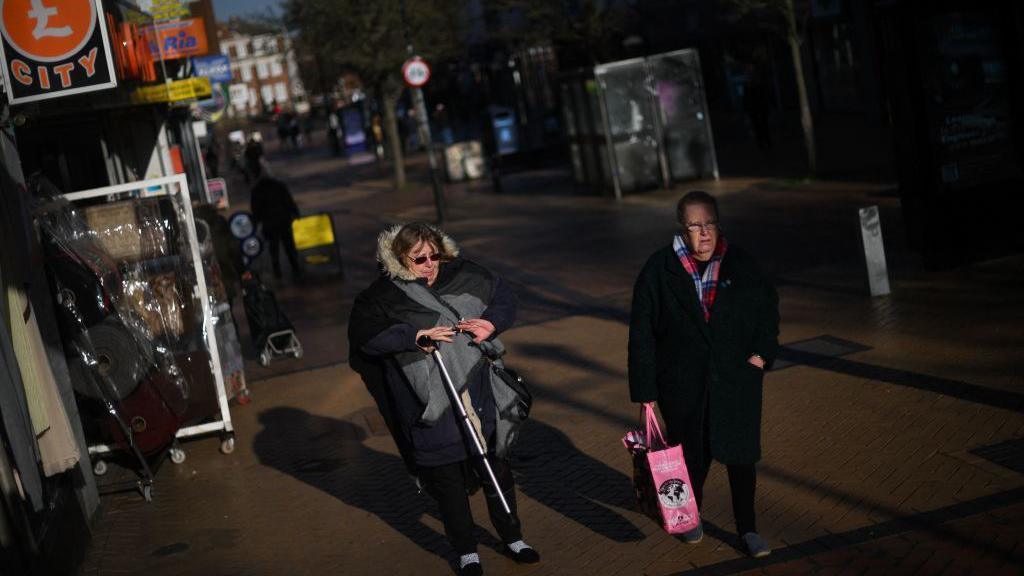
(449, 485)
(276, 239)
(742, 486)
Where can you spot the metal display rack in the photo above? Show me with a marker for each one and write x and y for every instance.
(171, 186)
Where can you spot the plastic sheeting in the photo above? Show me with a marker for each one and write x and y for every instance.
(130, 319)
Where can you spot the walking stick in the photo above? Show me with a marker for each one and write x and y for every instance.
(457, 403)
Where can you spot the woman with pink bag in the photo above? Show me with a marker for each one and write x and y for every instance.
(703, 329)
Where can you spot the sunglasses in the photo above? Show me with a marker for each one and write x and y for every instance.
(423, 259)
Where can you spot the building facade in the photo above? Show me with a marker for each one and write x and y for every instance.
(264, 71)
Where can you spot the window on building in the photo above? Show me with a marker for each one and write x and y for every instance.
(253, 100)
(276, 69)
(268, 94)
(239, 95)
(246, 72)
(240, 50)
(261, 69)
(281, 92)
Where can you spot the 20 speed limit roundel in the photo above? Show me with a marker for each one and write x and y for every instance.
(416, 72)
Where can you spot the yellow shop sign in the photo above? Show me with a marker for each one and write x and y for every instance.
(176, 91)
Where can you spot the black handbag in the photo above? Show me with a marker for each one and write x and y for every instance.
(513, 380)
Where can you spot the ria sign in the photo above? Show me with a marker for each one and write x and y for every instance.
(54, 48)
(179, 39)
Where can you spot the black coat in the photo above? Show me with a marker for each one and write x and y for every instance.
(694, 368)
(273, 206)
(377, 334)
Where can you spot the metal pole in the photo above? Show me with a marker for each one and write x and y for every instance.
(457, 403)
(424, 127)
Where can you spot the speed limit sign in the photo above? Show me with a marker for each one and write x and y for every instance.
(416, 72)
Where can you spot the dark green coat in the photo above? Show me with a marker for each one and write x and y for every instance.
(694, 368)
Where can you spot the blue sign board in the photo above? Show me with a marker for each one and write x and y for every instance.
(216, 68)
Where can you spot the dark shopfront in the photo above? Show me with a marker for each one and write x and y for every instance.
(956, 69)
(48, 494)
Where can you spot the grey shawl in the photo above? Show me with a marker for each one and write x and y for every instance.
(461, 358)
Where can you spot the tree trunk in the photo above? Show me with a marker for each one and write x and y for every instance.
(389, 100)
(806, 119)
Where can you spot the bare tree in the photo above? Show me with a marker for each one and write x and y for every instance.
(782, 18)
(370, 39)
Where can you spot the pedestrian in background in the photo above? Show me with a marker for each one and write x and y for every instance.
(378, 136)
(392, 330)
(704, 327)
(252, 156)
(274, 210)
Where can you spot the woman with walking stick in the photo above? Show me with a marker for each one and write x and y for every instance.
(422, 338)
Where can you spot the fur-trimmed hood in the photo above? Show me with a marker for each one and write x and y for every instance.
(393, 267)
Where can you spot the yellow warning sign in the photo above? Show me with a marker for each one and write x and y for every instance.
(313, 231)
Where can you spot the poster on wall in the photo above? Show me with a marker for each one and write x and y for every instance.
(970, 103)
(217, 68)
(52, 49)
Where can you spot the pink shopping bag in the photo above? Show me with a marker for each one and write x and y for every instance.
(662, 484)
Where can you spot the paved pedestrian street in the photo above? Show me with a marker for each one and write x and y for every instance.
(893, 426)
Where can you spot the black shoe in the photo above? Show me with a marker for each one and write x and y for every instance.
(471, 569)
(525, 556)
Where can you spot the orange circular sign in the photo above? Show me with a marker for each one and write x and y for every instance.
(48, 30)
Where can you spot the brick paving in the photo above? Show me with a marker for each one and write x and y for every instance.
(896, 457)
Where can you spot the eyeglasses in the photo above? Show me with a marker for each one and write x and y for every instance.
(423, 259)
(708, 226)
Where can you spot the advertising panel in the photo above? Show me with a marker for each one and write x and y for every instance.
(179, 39)
(52, 49)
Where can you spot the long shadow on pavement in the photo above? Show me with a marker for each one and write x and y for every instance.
(554, 472)
(1005, 399)
(933, 522)
(329, 454)
(565, 355)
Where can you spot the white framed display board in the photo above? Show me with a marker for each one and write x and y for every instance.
(177, 186)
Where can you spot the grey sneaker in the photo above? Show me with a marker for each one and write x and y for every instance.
(757, 547)
(694, 536)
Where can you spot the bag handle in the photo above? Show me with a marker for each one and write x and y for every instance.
(653, 429)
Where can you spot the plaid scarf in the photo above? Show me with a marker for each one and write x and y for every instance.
(708, 285)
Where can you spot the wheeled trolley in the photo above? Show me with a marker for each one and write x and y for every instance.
(272, 333)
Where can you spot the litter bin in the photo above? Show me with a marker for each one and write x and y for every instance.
(506, 137)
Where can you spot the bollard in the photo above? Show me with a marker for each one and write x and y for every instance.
(874, 250)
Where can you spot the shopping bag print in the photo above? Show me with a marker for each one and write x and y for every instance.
(660, 478)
